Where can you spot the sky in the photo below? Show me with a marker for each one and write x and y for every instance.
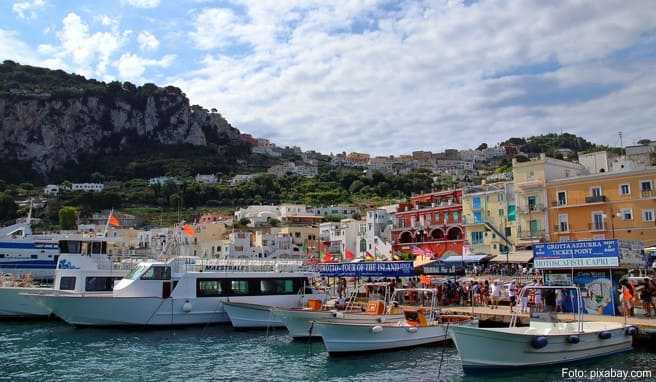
(375, 76)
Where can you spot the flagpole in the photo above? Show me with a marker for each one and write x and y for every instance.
(111, 212)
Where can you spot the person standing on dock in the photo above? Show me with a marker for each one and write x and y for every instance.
(512, 294)
(496, 294)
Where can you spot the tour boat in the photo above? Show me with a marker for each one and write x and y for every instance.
(178, 292)
(542, 343)
(83, 266)
(420, 325)
(23, 253)
(299, 321)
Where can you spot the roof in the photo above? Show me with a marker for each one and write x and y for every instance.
(517, 257)
(465, 259)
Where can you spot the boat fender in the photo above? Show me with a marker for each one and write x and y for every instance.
(339, 315)
(631, 330)
(411, 329)
(539, 342)
(186, 307)
(573, 339)
(605, 335)
(377, 329)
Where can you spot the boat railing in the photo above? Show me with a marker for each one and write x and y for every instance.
(240, 265)
(579, 302)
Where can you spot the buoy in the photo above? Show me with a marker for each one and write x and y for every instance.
(377, 329)
(573, 339)
(539, 342)
(411, 329)
(186, 307)
(605, 335)
(631, 330)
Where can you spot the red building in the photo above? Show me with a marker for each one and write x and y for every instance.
(430, 221)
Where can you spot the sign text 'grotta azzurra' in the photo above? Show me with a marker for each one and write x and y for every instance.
(577, 254)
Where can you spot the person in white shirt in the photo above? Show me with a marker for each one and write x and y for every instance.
(496, 294)
(512, 293)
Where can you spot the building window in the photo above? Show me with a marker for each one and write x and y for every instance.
(648, 215)
(446, 218)
(500, 212)
(625, 189)
(597, 221)
(477, 237)
(456, 217)
(595, 192)
(563, 225)
(645, 185)
(562, 198)
(626, 214)
(508, 231)
(437, 217)
(532, 203)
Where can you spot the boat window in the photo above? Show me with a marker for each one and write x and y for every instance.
(277, 286)
(157, 272)
(34, 256)
(239, 287)
(210, 288)
(136, 272)
(69, 246)
(100, 284)
(67, 283)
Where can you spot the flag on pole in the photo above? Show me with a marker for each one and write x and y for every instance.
(113, 220)
(424, 280)
(327, 258)
(188, 230)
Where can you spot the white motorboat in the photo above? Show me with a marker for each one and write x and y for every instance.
(177, 292)
(83, 266)
(251, 316)
(421, 325)
(542, 343)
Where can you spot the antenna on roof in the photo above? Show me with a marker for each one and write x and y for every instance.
(619, 135)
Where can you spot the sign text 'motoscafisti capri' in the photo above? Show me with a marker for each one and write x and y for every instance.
(577, 254)
(368, 269)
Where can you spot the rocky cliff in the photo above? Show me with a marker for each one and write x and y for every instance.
(56, 122)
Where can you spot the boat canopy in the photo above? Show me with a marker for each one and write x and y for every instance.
(368, 269)
(515, 257)
(465, 259)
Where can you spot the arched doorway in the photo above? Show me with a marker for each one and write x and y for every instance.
(454, 233)
(437, 234)
(406, 237)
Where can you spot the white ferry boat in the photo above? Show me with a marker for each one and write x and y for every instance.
(83, 266)
(160, 293)
(23, 253)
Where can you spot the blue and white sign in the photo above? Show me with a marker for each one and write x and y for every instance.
(368, 269)
(576, 254)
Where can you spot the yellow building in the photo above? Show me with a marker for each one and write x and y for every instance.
(618, 205)
(530, 178)
(488, 216)
(305, 236)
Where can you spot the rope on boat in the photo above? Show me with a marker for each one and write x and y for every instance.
(308, 343)
(446, 337)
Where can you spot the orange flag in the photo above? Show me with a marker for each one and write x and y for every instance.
(348, 255)
(425, 280)
(113, 220)
(188, 230)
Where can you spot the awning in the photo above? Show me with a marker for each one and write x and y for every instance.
(517, 257)
(465, 259)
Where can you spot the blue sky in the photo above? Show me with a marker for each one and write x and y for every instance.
(379, 76)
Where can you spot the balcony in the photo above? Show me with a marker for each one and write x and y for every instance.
(471, 220)
(531, 208)
(595, 199)
(596, 227)
(561, 228)
(648, 194)
(531, 235)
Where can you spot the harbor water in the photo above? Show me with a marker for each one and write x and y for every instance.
(53, 351)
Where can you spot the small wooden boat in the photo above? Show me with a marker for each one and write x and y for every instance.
(420, 325)
(541, 343)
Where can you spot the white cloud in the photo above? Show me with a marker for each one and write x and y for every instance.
(354, 75)
(27, 9)
(132, 67)
(12, 48)
(147, 41)
(142, 3)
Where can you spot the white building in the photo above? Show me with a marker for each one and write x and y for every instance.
(604, 161)
(376, 239)
(53, 189)
(258, 215)
(241, 178)
(162, 180)
(207, 179)
(292, 168)
(344, 211)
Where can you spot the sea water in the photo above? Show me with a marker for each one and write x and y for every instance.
(53, 351)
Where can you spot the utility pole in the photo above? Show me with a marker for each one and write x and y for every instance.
(619, 134)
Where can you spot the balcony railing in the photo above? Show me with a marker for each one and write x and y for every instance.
(595, 199)
(596, 227)
(648, 194)
(470, 219)
(527, 209)
(561, 229)
(539, 234)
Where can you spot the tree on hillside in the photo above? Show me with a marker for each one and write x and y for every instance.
(7, 207)
(68, 218)
(482, 146)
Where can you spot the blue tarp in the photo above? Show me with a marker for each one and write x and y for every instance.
(368, 269)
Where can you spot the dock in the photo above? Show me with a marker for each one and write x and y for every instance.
(502, 314)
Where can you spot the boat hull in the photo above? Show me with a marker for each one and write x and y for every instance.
(476, 347)
(299, 322)
(14, 303)
(343, 338)
(251, 316)
(132, 311)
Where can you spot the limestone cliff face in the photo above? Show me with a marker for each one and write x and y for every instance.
(50, 130)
